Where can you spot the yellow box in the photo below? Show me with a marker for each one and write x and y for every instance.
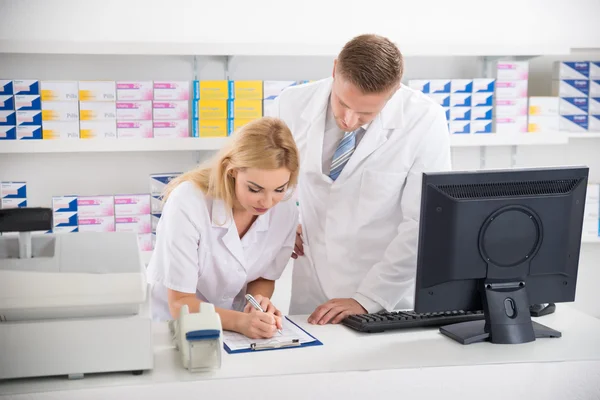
(248, 90)
(215, 90)
(239, 122)
(247, 109)
(212, 109)
(213, 128)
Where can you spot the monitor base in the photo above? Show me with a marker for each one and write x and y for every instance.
(474, 332)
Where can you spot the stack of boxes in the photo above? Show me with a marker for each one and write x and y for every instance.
(8, 120)
(247, 104)
(272, 90)
(511, 97)
(13, 195)
(132, 214)
(134, 109)
(60, 110)
(544, 114)
(210, 108)
(594, 121)
(28, 109)
(97, 110)
(591, 218)
(64, 214)
(171, 109)
(158, 183)
(468, 102)
(96, 213)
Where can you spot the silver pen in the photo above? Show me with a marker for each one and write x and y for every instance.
(257, 306)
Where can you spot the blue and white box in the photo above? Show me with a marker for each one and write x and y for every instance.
(594, 123)
(571, 70)
(574, 123)
(481, 126)
(443, 99)
(8, 118)
(460, 114)
(29, 132)
(26, 87)
(155, 219)
(482, 99)
(28, 102)
(29, 118)
(272, 89)
(595, 88)
(594, 108)
(571, 88)
(594, 70)
(8, 132)
(156, 204)
(447, 112)
(13, 190)
(159, 182)
(61, 219)
(460, 127)
(484, 85)
(7, 103)
(65, 229)
(461, 86)
(573, 106)
(421, 85)
(14, 203)
(6, 87)
(64, 204)
(439, 86)
(460, 100)
(482, 113)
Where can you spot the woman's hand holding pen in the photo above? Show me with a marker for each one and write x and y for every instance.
(266, 312)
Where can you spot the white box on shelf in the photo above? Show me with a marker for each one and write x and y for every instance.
(594, 106)
(65, 218)
(171, 129)
(134, 129)
(460, 100)
(97, 91)
(460, 127)
(156, 204)
(594, 70)
(482, 99)
(97, 224)
(544, 123)
(60, 130)
(27, 102)
(511, 107)
(133, 204)
(30, 118)
(27, 86)
(508, 125)
(443, 99)
(512, 70)
(134, 223)
(7, 103)
(571, 70)
(170, 110)
(159, 182)
(571, 88)
(461, 86)
(460, 114)
(439, 86)
(134, 110)
(135, 90)
(592, 193)
(27, 132)
(421, 85)
(13, 190)
(6, 87)
(98, 129)
(171, 90)
(64, 204)
(8, 132)
(595, 88)
(544, 106)
(482, 113)
(60, 91)
(594, 123)
(95, 206)
(511, 89)
(97, 110)
(482, 126)
(574, 106)
(483, 85)
(13, 203)
(574, 123)
(60, 111)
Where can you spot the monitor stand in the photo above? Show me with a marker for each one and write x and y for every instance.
(507, 318)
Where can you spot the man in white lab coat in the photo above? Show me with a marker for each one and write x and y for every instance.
(364, 141)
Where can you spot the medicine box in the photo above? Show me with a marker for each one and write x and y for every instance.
(544, 106)
(248, 90)
(64, 219)
(213, 90)
(594, 70)
(135, 90)
(60, 111)
(145, 241)
(482, 113)
(60, 130)
(97, 224)
(64, 204)
(461, 86)
(28, 102)
(98, 129)
(594, 123)
(134, 110)
(544, 123)
(136, 204)
(573, 106)
(171, 129)
(460, 100)
(8, 118)
(481, 126)
(25, 118)
(13, 190)
(595, 88)
(443, 99)
(483, 85)
(237, 123)
(134, 223)
(211, 109)
(594, 106)
(159, 182)
(171, 90)
(13, 203)
(574, 123)
(512, 70)
(272, 89)
(97, 91)
(8, 132)
(156, 204)
(509, 125)
(26, 87)
(155, 220)
(245, 109)
(60, 91)
(29, 132)
(213, 127)
(460, 127)
(482, 99)
(134, 129)
(460, 114)
(571, 70)
(97, 110)
(95, 206)
(170, 110)
(506, 89)
(439, 86)
(6, 87)
(571, 88)
(511, 107)
(7, 103)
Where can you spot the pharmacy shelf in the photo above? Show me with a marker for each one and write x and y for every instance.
(590, 240)
(585, 135)
(267, 49)
(515, 139)
(110, 145)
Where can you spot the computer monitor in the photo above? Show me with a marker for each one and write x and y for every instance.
(499, 241)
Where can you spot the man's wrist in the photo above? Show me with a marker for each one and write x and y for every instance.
(368, 304)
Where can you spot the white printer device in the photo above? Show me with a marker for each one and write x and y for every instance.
(70, 304)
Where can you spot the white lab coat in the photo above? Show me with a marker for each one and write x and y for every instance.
(361, 231)
(198, 250)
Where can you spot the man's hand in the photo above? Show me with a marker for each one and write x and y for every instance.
(334, 311)
(298, 247)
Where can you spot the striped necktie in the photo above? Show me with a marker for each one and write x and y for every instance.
(343, 153)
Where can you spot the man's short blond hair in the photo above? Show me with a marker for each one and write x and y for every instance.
(372, 63)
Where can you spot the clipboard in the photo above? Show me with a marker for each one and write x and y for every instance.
(275, 344)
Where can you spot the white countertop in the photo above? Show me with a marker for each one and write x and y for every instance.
(347, 351)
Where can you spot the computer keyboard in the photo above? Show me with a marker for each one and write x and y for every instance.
(385, 321)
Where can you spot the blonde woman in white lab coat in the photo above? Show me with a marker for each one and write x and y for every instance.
(225, 231)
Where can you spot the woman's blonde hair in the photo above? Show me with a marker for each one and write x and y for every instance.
(265, 143)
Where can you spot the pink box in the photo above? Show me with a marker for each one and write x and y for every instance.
(512, 70)
(171, 90)
(134, 129)
(95, 206)
(134, 223)
(172, 129)
(134, 204)
(135, 90)
(170, 110)
(145, 241)
(97, 224)
(511, 107)
(134, 110)
(511, 89)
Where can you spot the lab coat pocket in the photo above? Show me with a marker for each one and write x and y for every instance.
(380, 195)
